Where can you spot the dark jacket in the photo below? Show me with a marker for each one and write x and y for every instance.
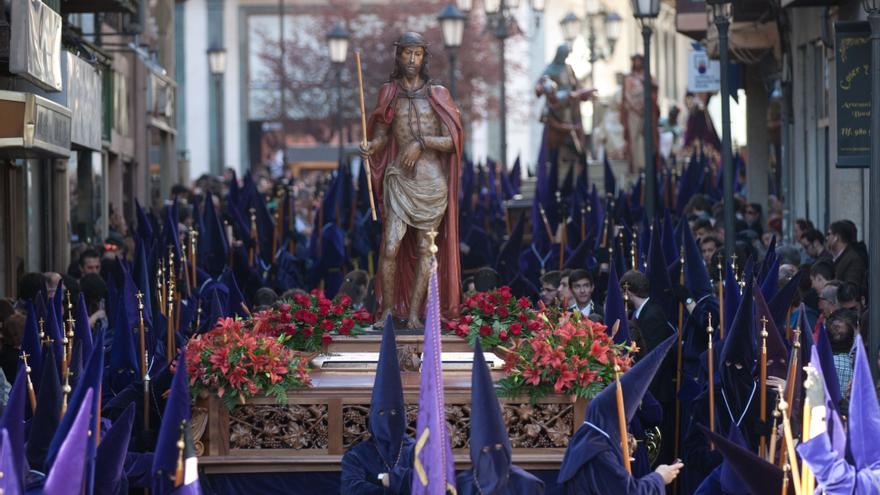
(850, 267)
(654, 329)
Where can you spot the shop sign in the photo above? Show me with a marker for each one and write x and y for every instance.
(35, 44)
(852, 45)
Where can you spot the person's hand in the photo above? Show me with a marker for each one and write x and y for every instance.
(669, 473)
(97, 315)
(682, 294)
(815, 387)
(776, 383)
(411, 154)
(366, 149)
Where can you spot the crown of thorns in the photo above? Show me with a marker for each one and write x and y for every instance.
(411, 39)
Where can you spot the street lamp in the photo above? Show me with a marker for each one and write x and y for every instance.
(499, 14)
(217, 66)
(872, 7)
(571, 26)
(721, 16)
(645, 11)
(337, 41)
(452, 25)
(465, 6)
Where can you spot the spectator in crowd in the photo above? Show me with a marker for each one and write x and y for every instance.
(89, 262)
(94, 291)
(813, 243)
(802, 225)
(11, 332)
(828, 302)
(264, 298)
(709, 245)
(849, 266)
(842, 326)
(355, 287)
(550, 288)
(754, 218)
(581, 283)
(702, 228)
(821, 273)
(564, 293)
(486, 279)
(788, 255)
(849, 295)
(52, 281)
(467, 287)
(30, 285)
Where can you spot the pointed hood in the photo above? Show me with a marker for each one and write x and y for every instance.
(10, 482)
(213, 247)
(767, 263)
(668, 237)
(507, 262)
(864, 413)
(759, 476)
(602, 410)
(30, 343)
(124, 363)
(777, 353)
(769, 286)
(695, 273)
(45, 419)
(144, 224)
(70, 468)
(781, 301)
(822, 350)
(177, 410)
(615, 309)
(82, 330)
(142, 278)
(13, 423)
(489, 443)
(387, 410)
(658, 276)
(600, 431)
(738, 357)
(608, 179)
(731, 482)
(731, 297)
(110, 456)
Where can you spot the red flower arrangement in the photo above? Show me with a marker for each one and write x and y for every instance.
(237, 363)
(571, 356)
(308, 321)
(495, 317)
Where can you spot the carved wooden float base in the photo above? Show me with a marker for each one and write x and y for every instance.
(317, 425)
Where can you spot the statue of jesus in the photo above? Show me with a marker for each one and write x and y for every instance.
(415, 144)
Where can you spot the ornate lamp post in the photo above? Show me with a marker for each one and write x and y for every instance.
(337, 41)
(499, 14)
(721, 15)
(217, 66)
(452, 25)
(872, 7)
(645, 11)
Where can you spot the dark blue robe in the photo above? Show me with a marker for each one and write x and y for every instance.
(363, 463)
(520, 482)
(604, 474)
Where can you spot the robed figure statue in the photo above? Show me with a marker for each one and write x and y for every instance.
(415, 144)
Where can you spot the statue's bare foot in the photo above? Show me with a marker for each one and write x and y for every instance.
(380, 322)
(413, 323)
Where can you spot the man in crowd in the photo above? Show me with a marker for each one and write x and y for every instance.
(89, 262)
(849, 266)
(813, 243)
(709, 245)
(550, 288)
(581, 284)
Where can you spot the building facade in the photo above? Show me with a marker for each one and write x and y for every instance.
(91, 90)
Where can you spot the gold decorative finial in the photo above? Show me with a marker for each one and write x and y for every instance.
(764, 321)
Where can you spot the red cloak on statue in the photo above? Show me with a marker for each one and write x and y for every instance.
(449, 266)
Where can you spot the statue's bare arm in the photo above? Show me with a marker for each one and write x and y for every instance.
(380, 139)
(442, 143)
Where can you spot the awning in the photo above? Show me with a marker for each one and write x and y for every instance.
(33, 127)
(748, 42)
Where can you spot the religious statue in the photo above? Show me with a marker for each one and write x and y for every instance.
(415, 143)
(561, 116)
(632, 113)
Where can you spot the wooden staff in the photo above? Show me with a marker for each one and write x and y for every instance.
(788, 324)
(254, 237)
(789, 444)
(160, 286)
(773, 434)
(42, 329)
(357, 58)
(720, 300)
(786, 473)
(633, 245)
(170, 317)
(621, 422)
(710, 358)
(789, 390)
(546, 223)
(678, 358)
(583, 224)
(230, 238)
(27, 370)
(605, 231)
(563, 239)
(193, 240)
(763, 441)
(184, 267)
(807, 479)
(66, 389)
(145, 377)
(276, 231)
